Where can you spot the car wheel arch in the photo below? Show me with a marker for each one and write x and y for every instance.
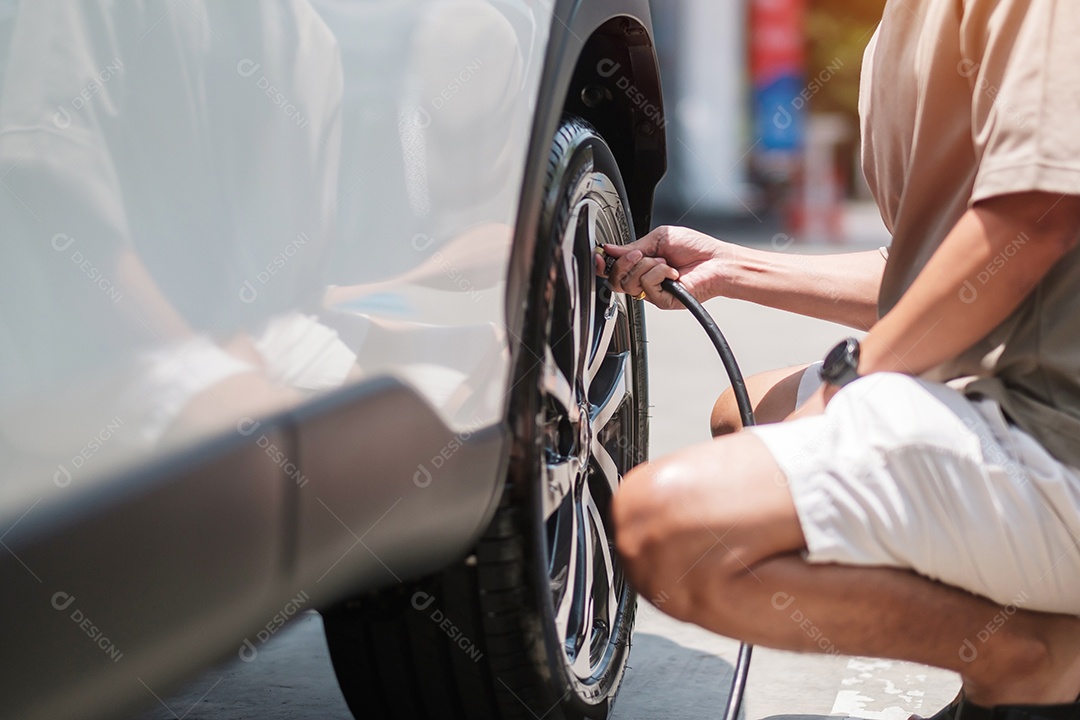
(589, 40)
(615, 87)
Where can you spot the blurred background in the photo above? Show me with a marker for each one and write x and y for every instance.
(761, 101)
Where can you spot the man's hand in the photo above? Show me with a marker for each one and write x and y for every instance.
(694, 259)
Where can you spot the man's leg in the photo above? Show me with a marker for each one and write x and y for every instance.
(714, 529)
(772, 393)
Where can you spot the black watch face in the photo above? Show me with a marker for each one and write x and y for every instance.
(834, 362)
(840, 362)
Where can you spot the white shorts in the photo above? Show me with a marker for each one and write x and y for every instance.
(905, 473)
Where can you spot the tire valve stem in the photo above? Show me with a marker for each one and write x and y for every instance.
(609, 261)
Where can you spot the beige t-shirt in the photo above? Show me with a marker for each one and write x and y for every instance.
(965, 100)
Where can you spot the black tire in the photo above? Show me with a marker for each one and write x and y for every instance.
(523, 628)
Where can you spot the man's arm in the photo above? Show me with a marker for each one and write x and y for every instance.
(841, 288)
(948, 308)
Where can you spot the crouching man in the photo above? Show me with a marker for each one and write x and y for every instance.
(915, 485)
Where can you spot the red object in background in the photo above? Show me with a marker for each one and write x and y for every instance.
(794, 148)
(777, 39)
(778, 77)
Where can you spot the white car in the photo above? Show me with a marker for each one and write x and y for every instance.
(299, 312)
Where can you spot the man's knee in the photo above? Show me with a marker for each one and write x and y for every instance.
(725, 417)
(660, 539)
(645, 513)
(638, 513)
(773, 395)
(688, 527)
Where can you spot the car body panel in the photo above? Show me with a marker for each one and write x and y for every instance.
(267, 264)
(413, 516)
(113, 600)
(140, 583)
(208, 191)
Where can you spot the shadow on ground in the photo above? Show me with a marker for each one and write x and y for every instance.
(670, 681)
(290, 679)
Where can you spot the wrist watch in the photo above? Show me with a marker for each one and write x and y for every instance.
(841, 365)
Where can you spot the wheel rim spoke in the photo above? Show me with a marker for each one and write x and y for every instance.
(564, 565)
(605, 465)
(603, 585)
(577, 285)
(610, 313)
(612, 393)
(558, 388)
(591, 603)
(561, 477)
(580, 618)
(586, 241)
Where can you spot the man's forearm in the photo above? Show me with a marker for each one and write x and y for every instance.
(841, 288)
(947, 309)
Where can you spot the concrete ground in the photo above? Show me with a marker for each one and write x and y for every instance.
(677, 671)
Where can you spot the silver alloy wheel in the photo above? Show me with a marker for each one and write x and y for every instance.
(588, 414)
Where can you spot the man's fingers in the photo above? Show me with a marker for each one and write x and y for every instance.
(627, 270)
(618, 272)
(619, 259)
(631, 281)
(650, 284)
(617, 251)
(647, 246)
